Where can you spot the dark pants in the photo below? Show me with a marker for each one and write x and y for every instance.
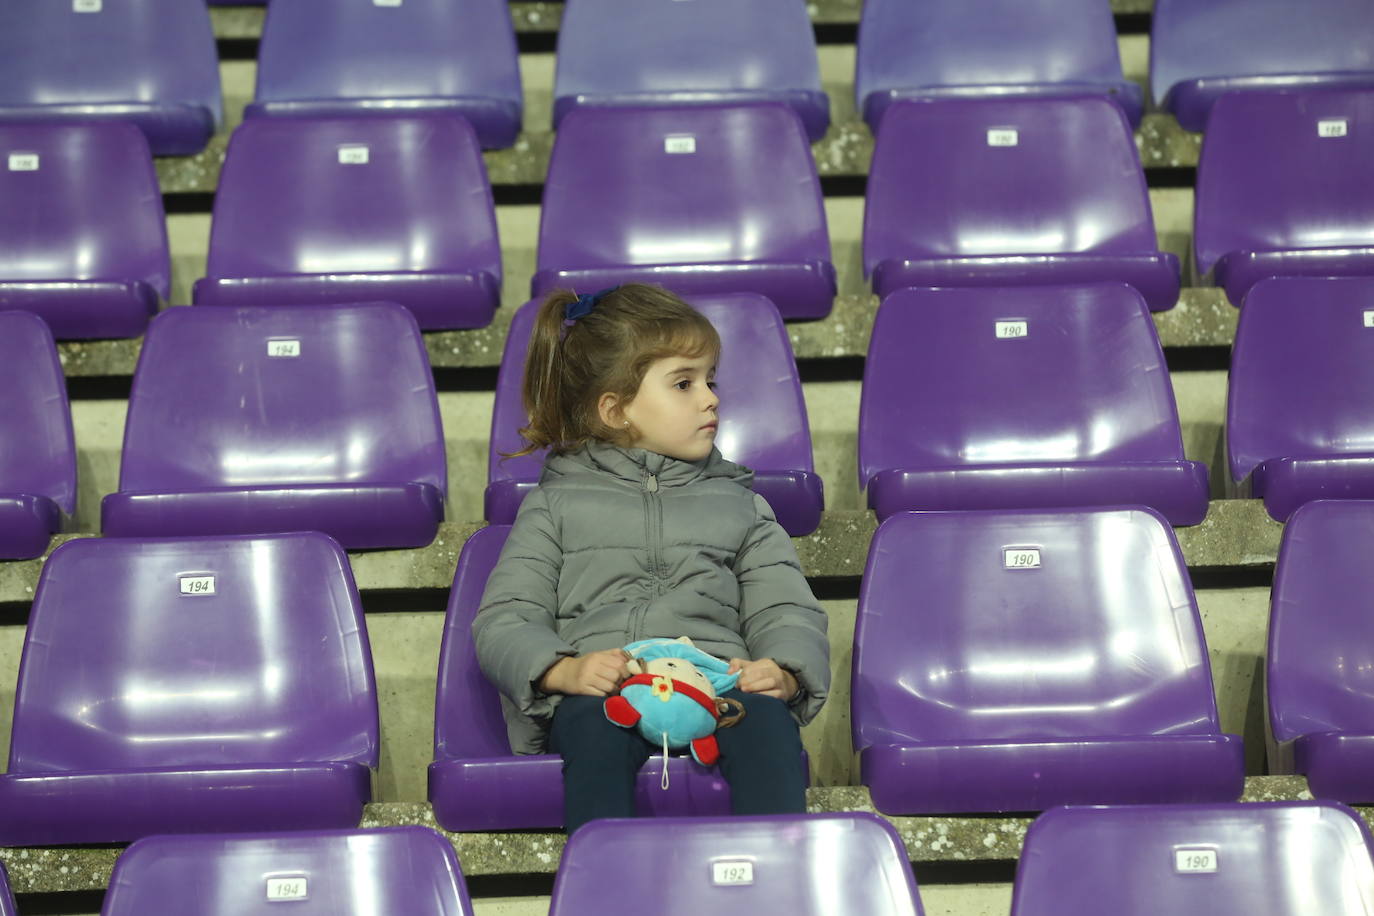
(760, 758)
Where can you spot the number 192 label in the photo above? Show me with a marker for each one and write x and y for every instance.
(740, 871)
(291, 888)
(1195, 861)
(1021, 557)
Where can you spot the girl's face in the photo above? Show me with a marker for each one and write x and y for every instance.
(674, 412)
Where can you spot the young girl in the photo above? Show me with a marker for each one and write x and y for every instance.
(640, 529)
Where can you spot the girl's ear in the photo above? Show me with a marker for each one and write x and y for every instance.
(608, 407)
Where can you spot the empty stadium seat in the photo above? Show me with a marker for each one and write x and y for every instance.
(988, 48)
(669, 52)
(324, 57)
(1030, 397)
(738, 866)
(282, 419)
(1298, 425)
(705, 199)
(149, 62)
(197, 685)
(1319, 677)
(329, 210)
(83, 242)
(1196, 860)
(1201, 51)
(327, 873)
(37, 451)
(1010, 192)
(1013, 661)
(763, 421)
(1283, 188)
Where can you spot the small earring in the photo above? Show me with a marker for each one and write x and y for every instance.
(627, 424)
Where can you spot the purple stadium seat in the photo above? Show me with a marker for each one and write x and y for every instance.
(986, 48)
(705, 199)
(1013, 661)
(37, 452)
(149, 62)
(84, 239)
(475, 782)
(1319, 678)
(401, 870)
(1030, 397)
(329, 210)
(1010, 192)
(664, 52)
(197, 685)
(249, 420)
(1196, 860)
(1201, 51)
(1298, 424)
(1283, 188)
(763, 421)
(806, 865)
(7, 905)
(327, 58)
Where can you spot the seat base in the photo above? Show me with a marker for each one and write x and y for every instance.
(172, 129)
(812, 106)
(1287, 483)
(496, 121)
(1154, 274)
(358, 516)
(27, 524)
(1191, 101)
(1338, 765)
(84, 309)
(801, 290)
(1130, 97)
(119, 806)
(1240, 270)
(1176, 489)
(1032, 775)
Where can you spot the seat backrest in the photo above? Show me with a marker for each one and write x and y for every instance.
(231, 397)
(419, 49)
(1016, 376)
(37, 450)
(353, 195)
(1320, 662)
(194, 652)
(324, 873)
(91, 205)
(1196, 860)
(7, 905)
(696, 185)
(1284, 170)
(1028, 625)
(1302, 360)
(975, 177)
(737, 866)
(763, 422)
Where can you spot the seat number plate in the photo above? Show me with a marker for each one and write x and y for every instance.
(680, 144)
(1333, 127)
(1003, 136)
(197, 585)
(86, 6)
(294, 887)
(740, 871)
(1007, 330)
(1021, 557)
(284, 348)
(1195, 861)
(354, 154)
(23, 162)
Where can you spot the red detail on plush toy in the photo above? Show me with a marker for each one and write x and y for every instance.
(706, 751)
(619, 711)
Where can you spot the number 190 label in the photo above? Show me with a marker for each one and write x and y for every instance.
(292, 888)
(1021, 558)
(736, 872)
(1195, 861)
(197, 585)
(1010, 329)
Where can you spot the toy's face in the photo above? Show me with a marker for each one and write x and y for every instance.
(679, 669)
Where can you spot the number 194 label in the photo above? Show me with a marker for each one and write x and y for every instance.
(740, 871)
(1021, 557)
(289, 888)
(1195, 861)
(284, 349)
(197, 585)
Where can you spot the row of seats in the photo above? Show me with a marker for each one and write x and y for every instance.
(1003, 661)
(705, 200)
(1224, 860)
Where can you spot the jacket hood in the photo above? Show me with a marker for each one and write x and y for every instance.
(631, 464)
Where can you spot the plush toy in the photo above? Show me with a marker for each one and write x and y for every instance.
(672, 697)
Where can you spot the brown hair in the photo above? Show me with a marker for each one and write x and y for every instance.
(569, 365)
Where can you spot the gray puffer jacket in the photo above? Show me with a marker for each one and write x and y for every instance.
(618, 545)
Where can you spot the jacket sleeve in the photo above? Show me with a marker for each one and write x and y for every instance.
(779, 617)
(515, 629)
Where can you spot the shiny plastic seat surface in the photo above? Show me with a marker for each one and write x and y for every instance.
(1201, 51)
(325, 58)
(703, 200)
(763, 423)
(149, 62)
(288, 418)
(988, 48)
(1298, 426)
(669, 52)
(190, 685)
(1196, 860)
(37, 450)
(739, 866)
(89, 254)
(1013, 661)
(1011, 192)
(1283, 188)
(7, 905)
(325, 873)
(1022, 398)
(331, 210)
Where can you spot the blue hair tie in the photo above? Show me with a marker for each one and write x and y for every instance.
(585, 303)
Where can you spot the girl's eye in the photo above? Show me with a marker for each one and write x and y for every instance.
(682, 385)
(711, 384)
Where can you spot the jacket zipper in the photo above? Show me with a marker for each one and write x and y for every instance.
(653, 534)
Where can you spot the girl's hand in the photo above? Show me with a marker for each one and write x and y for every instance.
(596, 674)
(765, 676)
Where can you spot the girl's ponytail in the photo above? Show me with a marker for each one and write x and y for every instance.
(545, 389)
